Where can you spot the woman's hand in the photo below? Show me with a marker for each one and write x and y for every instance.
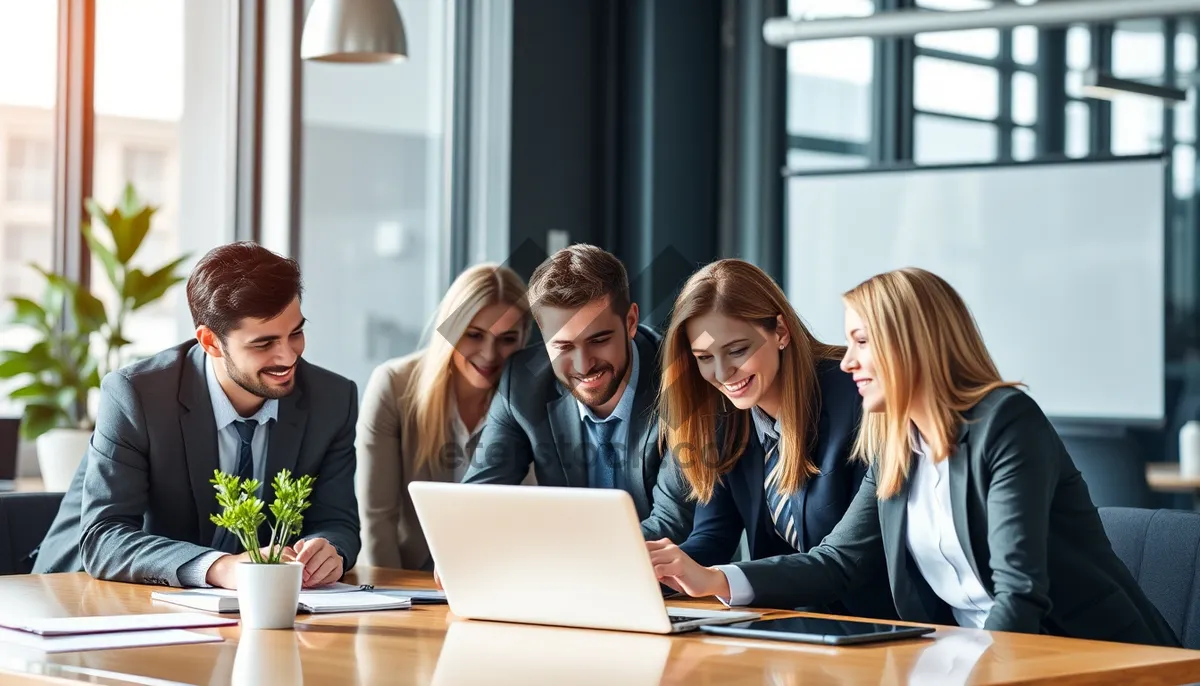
(674, 568)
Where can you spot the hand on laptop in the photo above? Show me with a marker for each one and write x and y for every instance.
(674, 568)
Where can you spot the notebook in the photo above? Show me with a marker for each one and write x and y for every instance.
(319, 602)
(73, 626)
(10, 639)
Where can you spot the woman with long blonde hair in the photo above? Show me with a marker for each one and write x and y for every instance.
(761, 422)
(971, 500)
(422, 414)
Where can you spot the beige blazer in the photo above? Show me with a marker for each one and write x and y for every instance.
(386, 444)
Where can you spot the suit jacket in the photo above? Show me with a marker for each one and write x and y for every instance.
(1025, 521)
(738, 501)
(139, 508)
(535, 420)
(386, 444)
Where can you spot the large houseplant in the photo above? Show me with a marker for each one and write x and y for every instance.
(268, 587)
(78, 339)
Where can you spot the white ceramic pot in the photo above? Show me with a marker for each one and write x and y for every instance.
(269, 594)
(59, 453)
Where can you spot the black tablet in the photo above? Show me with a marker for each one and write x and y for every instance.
(813, 630)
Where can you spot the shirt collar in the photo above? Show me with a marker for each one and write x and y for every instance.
(765, 426)
(223, 409)
(459, 426)
(624, 409)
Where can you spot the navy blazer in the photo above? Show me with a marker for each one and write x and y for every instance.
(738, 500)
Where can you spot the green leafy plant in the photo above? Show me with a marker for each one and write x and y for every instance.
(61, 368)
(242, 511)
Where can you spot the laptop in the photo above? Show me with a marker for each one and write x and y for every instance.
(548, 555)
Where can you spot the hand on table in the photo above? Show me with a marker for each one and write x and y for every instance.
(322, 563)
(223, 572)
(674, 568)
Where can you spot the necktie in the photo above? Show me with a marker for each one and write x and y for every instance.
(603, 467)
(223, 540)
(778, 504)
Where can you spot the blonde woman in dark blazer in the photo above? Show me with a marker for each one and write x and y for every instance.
(422, 414)
(971, 501)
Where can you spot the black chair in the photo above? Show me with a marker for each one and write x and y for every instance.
(24, 520)
(1161, 548)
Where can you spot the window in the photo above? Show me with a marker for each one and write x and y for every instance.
(979, 43)
(940, 140)
(829, 90)
(1138, 54)
(28, 38)
(951, 87)
(166, 125)
(29, 173)
(374, 236)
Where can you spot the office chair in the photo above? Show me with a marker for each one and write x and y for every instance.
(1161, 549)
(24, 520)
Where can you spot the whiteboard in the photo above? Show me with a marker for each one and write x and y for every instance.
(1061, 264)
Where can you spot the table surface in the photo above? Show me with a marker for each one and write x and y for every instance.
(427, 644)
(1165, 476)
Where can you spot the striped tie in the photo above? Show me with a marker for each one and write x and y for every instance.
(779, 505)
(223, 540)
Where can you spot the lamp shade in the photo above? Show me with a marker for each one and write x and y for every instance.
(354, 31)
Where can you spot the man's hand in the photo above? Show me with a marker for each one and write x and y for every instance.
(223, 572)
(322, 564)
(674, 568)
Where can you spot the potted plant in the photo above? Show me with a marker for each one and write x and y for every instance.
(77, 340)
(268, 587)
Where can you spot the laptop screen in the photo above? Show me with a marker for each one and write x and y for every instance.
(9, 427)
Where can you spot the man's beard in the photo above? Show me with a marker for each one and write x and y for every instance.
(256, 386)
(613, 384)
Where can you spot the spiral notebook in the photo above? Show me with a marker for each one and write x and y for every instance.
(315, 602)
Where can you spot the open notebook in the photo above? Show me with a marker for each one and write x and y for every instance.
(349, 599)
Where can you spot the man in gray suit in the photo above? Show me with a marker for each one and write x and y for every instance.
(581, 407)
(238, 398)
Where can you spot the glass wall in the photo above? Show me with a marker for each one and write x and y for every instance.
(28, 37)
(374, 238)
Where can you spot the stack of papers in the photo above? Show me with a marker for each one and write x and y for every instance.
(70, 634)
(343, 599)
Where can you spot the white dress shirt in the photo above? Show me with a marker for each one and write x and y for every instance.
(933, 542)
(466, 440)
(229, 444)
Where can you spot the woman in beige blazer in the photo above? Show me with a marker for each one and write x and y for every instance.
(422, 414)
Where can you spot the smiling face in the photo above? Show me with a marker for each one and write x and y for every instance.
(258, 358)
(859, 362)
(493, 335)
(589, 349)
(739, 358)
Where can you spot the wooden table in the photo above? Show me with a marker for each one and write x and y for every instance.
(1165, 478)
(427, 645)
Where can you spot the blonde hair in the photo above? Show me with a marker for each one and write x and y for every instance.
(689, 406)
(923, 340)
(427, 397)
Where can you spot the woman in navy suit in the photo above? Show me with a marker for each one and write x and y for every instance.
(762, 422)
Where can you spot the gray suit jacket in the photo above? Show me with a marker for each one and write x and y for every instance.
(534, 420)
(138, 509)
(1025, 521)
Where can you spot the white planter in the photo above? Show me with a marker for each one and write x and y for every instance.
(59, 453)
(269, 594)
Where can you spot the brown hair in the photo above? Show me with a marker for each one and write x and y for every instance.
(922, 337)
(689, 406)
(238, 281)
(578, 275)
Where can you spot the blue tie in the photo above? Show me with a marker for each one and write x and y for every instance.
(223, 540)
(779, 505)
(603, 468)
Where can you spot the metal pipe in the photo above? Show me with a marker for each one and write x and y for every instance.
(779, 31)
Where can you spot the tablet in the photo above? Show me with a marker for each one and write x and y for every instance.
(825, 631)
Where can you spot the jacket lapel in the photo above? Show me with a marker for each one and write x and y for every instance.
(199, 428)
(893, 526)
(567, 429)
(283, 445)
(643, 429)
(755, 460)
(960, 480)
